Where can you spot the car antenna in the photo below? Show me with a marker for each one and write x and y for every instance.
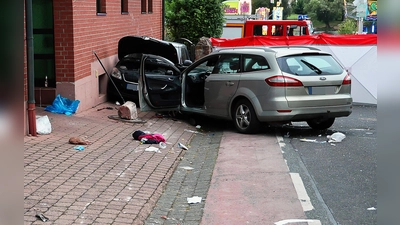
(109, 77)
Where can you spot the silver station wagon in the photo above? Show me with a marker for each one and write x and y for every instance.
(251, 86)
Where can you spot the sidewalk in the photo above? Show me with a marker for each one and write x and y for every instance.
(115, 181)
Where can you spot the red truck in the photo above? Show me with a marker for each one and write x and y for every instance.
(236, 27)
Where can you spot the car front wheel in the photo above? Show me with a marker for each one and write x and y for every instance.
(321, 124)
(245, 118)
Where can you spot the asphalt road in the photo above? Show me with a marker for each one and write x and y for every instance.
(340, 178)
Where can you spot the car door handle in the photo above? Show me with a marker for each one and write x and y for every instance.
(229, 83)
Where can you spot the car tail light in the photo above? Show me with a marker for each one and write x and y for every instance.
(347, 79)
(283, 81)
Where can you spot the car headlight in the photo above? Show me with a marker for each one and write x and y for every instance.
(116, 73)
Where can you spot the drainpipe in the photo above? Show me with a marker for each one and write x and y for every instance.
(163, 19)
(31, 74)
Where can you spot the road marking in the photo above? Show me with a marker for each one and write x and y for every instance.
(301, 192)
(309, 222)
(280, 141)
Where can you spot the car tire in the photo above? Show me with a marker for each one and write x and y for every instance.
(244, 117)
(321, 124)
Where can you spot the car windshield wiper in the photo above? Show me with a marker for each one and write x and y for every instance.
(311, 66)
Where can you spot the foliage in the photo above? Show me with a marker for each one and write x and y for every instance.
(348, 26)
(325, 10)
(193, 19)
(287, 10)
(298, 7)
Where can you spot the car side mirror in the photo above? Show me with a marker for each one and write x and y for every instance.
(187, 62)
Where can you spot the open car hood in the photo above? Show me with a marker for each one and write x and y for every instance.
(147, 45)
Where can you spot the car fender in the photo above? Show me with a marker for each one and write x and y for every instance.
(244, 92)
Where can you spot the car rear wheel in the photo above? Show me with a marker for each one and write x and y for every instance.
(321, 124)
(245, 118)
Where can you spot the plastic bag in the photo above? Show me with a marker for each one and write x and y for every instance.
(43, 125)
(63, 105)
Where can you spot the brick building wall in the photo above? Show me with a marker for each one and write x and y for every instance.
(79, 30)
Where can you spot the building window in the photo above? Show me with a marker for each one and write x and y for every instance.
(143, 6)
(124, 6)
(101, 7)
(150, 7)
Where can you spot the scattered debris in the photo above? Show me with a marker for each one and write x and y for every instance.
(336, 137)
(311, 140)
(148, 138)
(79, 148)
(128, 111)
(152, 149)
(187, 167)
(63, 105)
(180, 145)
(42, 217)
(192, 131)
(43, 125)
(116, 117)
(117, 103)
(162, 145)
(371, 209)
(194, 199)
(164, 217)
(78, 141)
(198, 127)
(108, 107)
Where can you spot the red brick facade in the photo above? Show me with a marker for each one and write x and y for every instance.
(79, 30)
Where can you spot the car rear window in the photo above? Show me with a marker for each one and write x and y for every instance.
(310, 65)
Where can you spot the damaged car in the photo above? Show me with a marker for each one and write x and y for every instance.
(124, 76)
(251, 86)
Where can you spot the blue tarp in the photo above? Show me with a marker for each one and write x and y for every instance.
(63, 105)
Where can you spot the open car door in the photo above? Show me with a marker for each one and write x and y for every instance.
(159, 85)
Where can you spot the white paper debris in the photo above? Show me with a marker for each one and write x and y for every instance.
(187, 167)
(152, 149)
(192, 131)
(371, 209)
(308, 140)
(194, 199)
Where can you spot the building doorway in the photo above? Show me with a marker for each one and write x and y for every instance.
(44, 57)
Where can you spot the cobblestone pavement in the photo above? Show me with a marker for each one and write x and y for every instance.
(191, 178)
(113, 180)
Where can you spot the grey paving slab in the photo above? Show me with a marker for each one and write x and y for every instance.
(191, 178)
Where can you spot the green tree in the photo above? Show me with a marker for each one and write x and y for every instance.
(287, 10)
(325, 10)
(298, 6)
(348, 26)
(193, 19)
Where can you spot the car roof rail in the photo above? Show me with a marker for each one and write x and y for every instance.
(263, 48)
(295, 46)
